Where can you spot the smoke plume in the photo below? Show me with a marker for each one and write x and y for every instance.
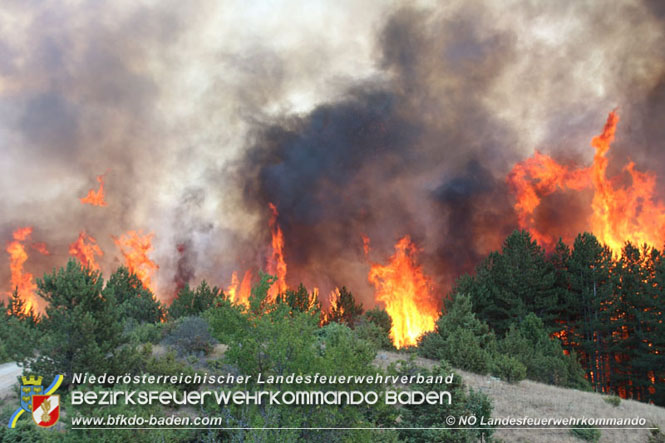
(353, 119)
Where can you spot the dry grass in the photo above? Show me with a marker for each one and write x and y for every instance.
(531, 399)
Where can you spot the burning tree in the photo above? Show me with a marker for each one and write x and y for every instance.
(618, 213)
(407, 293)
(343, 308)
(605, 309)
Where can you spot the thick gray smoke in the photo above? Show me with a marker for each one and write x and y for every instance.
(351, 118)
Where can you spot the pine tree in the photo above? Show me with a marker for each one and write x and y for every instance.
(16, 309)
(189, 302)
(510, 284)
(460, 338)
(301, 300)
(344, 309)
(135, 301)
(657, 335)
(559, 259)
(18, 330)
(80, 326)
(588, 302)
(637, 318)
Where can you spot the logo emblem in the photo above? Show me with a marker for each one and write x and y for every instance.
(39, 402)
(45, 410)
(31, 385)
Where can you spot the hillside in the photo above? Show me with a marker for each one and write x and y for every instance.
(528, 398)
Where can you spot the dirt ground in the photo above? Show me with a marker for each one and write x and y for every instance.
(531, 399)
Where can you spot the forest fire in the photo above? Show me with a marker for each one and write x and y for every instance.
(239, 291)
(95, 198)
(40, 247)
(135, 247)
(85, 249)
(276, 264)
(407, 293)
(22, 281)
(454, 182)
(618, 213)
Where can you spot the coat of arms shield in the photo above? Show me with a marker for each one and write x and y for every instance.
(31, 386)
(45, 410)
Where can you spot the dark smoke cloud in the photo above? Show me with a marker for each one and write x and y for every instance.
(380, 160)
(426, 152)
(479, 216)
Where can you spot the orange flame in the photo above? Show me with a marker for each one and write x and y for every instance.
(276, 263)
(335, 302)
(618, 213)
(365, 243)
(239, 292)
(84, 249)
(407, 293)
(40, 247)
(135, 248)
(335, 306)
(20, 280)
(95, 198)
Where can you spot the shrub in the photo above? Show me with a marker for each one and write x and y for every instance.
(656, 435)
(460, 339)
(379, 317)
(281, 341)
(144, 332)
(374, 334)
(508, 368)
(25, 430)
(613, 400)
(431, 421)
(227, 321)
(543, 357)
(189, 302)
(586, 433)
(191, 336)
(169, 365)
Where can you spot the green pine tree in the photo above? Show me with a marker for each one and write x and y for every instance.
(135, 302)
(589, 307)
(80, 327)
(511, 283)
(189, 302)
